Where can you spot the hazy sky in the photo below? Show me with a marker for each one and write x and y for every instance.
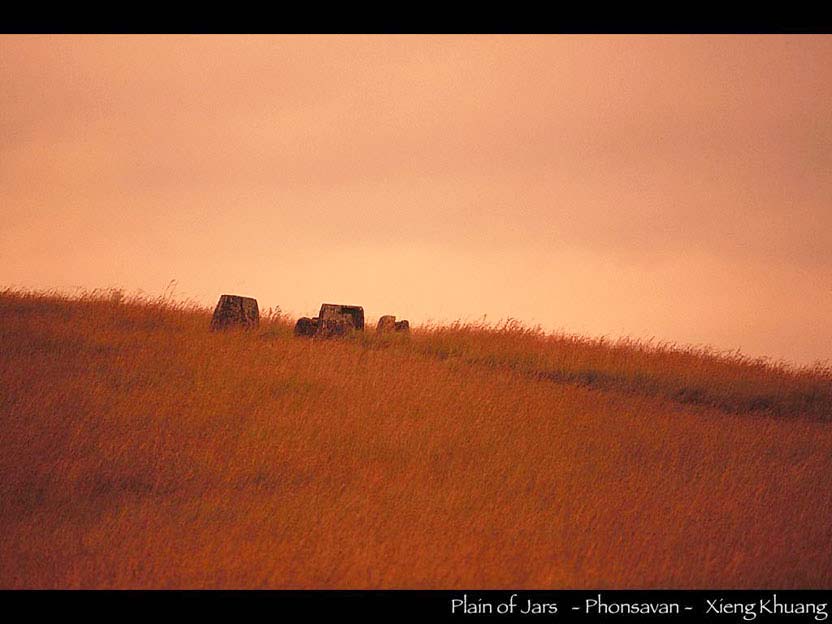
(677, 187)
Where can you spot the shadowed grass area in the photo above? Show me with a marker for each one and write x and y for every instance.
(138, 449)
(701, 376)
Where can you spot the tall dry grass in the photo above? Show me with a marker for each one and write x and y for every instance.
(137, 449)
(729, 381)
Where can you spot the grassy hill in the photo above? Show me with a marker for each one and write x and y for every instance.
(138, 449)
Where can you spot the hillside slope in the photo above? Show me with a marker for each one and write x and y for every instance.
(138, 449)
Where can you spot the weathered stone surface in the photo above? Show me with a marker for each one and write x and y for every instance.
(306, 326)
(346, 313)
(333, 320)
(386, 323)
(235, 311)
(331, 328)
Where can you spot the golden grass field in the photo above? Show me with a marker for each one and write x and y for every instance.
(140, 450)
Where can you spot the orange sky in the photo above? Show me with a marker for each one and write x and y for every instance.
(678, 187)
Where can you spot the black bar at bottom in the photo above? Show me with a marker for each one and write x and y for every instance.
(725, 606)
